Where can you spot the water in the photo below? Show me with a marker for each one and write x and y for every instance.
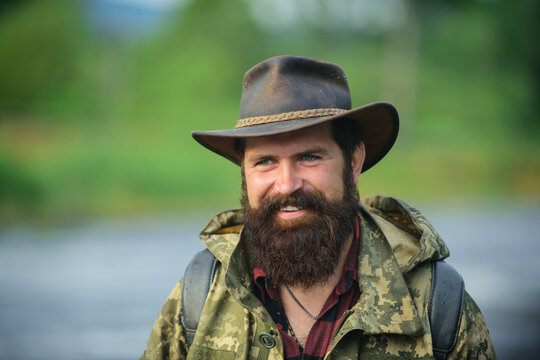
(496, 252)
(93, 291)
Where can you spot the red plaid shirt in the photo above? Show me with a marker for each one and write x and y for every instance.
(344, 296)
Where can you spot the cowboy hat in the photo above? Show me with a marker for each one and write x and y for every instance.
(288, 93)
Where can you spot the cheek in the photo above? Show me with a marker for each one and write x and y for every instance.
(257, 187)
(329, 182)
(252, 198)
(334, 188)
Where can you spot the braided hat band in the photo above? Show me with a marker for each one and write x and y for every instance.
(291, 115)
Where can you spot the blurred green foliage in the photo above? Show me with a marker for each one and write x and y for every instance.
(38, 41)
(91, 124)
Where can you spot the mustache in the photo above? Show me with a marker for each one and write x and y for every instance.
(313, 200)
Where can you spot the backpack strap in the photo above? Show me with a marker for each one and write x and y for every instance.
(197, 281)
(445, 307)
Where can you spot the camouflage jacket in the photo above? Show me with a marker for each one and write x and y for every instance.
(389, 320)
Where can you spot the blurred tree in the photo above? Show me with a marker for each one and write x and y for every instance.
(38, 42)
(517, 32)
(501, 39)
(17, 187)
(199, 59)
(6, 5)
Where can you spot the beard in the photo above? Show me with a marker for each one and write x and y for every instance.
(305, 251)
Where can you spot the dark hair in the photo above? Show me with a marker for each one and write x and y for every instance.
(240, 148)
(346, 134)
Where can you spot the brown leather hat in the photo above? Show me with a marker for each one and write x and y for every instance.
(288, 93)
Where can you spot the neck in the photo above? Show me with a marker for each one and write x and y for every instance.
(318, 293)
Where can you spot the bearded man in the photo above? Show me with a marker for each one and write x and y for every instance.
(307, 270)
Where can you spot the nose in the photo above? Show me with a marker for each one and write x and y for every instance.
(288, 180)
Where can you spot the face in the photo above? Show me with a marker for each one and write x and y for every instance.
(307, 160)
(298, 209)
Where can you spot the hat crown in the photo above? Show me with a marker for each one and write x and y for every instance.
(285, 84)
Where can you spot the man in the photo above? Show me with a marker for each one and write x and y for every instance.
(306, 270)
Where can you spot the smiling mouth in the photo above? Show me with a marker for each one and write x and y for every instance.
(290, 208)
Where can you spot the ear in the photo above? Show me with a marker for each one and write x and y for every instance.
(357, 160)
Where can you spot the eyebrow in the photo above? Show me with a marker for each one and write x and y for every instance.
(314, 150)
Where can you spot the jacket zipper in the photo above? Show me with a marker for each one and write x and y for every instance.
(338, 329)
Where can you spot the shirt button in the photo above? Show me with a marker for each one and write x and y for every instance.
(267, 340)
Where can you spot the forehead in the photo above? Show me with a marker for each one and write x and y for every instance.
(315, 135)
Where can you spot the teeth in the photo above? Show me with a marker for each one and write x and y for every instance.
(290, 208)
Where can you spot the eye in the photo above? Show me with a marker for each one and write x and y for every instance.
(310, 157)
(263, 162)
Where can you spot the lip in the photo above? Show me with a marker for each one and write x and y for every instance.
(291, 214)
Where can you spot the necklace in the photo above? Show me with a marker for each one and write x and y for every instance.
(291, 331)
(315, 318)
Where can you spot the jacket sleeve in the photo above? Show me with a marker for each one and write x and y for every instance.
(474, 341)
(168, 339)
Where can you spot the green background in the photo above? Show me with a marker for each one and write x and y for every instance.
(96, 123)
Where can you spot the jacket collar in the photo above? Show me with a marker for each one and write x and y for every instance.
(222, 236)
(385, 305)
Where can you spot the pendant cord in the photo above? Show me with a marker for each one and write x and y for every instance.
(291, 331)
(315, 318)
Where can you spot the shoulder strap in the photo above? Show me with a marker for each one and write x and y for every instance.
(445, 307)
(197, 281)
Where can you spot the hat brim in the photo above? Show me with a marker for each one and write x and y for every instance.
(378, 123)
